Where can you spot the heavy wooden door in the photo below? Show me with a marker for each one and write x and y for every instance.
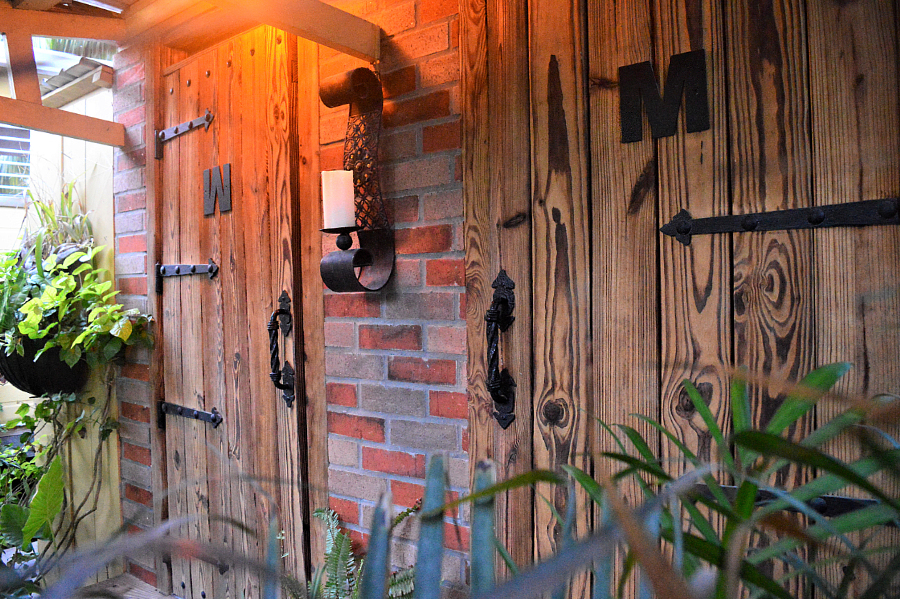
(216, 347)
(804, 110)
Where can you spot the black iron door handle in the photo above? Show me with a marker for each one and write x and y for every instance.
(282, 378)
(500, 383)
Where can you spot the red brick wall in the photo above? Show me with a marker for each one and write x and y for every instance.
(132, 387)
(395, 360)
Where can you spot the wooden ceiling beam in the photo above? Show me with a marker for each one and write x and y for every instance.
(145, 15)
(35, 4)
(53, 120)
(22, 68)
(53, 24)
(150, 25)
(316, 21)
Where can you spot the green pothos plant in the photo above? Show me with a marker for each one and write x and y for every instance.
(54, 295)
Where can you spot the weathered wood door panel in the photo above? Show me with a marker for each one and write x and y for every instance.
(804, 111)
(216, 346)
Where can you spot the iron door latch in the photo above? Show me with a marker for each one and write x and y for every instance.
(853, 214)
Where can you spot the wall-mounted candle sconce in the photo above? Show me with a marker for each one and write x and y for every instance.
(351, 199)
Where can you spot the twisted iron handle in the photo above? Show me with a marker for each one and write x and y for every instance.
(500, 383)
(275, 363)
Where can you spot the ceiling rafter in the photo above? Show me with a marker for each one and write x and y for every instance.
(153, 20)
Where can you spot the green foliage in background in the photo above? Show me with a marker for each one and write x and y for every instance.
(340, 577)
(705, 527)
(51, 290)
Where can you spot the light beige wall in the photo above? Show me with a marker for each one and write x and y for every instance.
(10, 226)
(56, 161)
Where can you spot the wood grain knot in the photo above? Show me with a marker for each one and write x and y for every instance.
(603, 83)
(554, 412)
(515, 221)
(685, 407)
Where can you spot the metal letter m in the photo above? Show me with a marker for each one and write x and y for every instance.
(687, 76)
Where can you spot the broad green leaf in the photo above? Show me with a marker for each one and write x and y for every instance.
(122, 329)
(802, 399)
(47, 502)
(12, 521)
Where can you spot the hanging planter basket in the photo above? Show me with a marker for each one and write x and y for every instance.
(48, 375)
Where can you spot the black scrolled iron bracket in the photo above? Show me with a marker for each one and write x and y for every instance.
(853, 214)
(282, 377)
(370, 266)
(500, 383)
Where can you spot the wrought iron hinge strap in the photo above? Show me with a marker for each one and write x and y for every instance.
(213, 417)
(853, 214)
(182, 270)
(173, 132)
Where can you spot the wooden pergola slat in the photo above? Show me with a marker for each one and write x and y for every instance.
(53, 120)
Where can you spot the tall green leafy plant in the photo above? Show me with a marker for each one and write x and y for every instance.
(53, 295)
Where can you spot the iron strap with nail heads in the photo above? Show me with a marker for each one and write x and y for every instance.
(853, 214)
(173, 132)
(210, 269)
(214, 417)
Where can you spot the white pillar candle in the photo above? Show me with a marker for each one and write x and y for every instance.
(338, 205)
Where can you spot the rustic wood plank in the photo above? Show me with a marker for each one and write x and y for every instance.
(154, 57)
(317, 22)
(260, 299)
(212, 317)
(497, 190)
(50, 24)
(624, 220)
(235, 272)
(22, 68)
(171, 315)
(191, 322)
(52, 120)
(284, 230)
(773, 271)
(310, 356)
(624, 224)
(695, 281)
(773, 278)
(855, 125)
(561, 263)
(482, 259)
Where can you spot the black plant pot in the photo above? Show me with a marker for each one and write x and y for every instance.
(48, 375)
